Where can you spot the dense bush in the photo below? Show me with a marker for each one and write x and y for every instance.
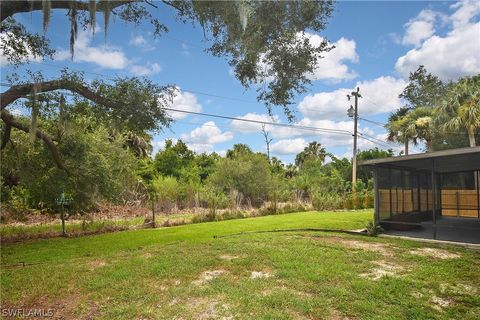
(327, 201)
(100, 170)
(248, 174)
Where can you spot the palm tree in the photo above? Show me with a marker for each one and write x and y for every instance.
(461, 109)
(396, 128)
(419, 125)
(412, 125)
(313, 151)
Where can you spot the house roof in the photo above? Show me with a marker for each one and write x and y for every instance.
(453, 160)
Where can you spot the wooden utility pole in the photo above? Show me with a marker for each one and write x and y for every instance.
(353, 113)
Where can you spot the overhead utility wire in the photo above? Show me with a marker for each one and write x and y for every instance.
(374, 122)
(319, 129)
(107, 77)
(337, 131)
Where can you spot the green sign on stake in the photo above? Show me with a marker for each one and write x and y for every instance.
(63, 201)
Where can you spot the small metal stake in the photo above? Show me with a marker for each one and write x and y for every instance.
(153, 211)
(64, 234)
(62, 201)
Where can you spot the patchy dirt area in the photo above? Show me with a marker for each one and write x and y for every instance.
(204, 308)
(229, 257)
(382, 269)
(337, 315)
(147, 255)
(440, 304)
(63, 308)
(95, 264)
(435, 253)
(382, 248)
(459, 288)
(207, 276)
(260, 274)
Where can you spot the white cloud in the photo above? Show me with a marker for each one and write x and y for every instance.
(249, 127)
(185, 101)
(203, 139)
(158, 145)
(380, 95)
(200, 147)
(147, 70)
(105, 56)
(454, 55)
(332, 66)
(420, 28)
(288, 146)
(464, 13)
(138, 41)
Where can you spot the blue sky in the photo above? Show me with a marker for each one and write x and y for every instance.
(377, 45)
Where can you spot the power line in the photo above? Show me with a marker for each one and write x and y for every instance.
(320, 129)
(298, 127)
(384, 143)
(374, 122)
(375, 142)
(107, 77)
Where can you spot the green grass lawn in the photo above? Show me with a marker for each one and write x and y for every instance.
(185, 273)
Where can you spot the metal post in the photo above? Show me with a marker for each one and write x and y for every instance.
(390, 190)
(376, 204)
(478, 193)
(396, 200)
(402, 182)
(434, 195)
(458, 203)
(419, 203)
(153, 210)
(427, 193)
(64, 234)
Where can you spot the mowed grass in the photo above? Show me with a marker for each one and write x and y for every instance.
(185, 273)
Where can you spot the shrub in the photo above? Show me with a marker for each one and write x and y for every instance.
(327, 201)
(358, 199)
(294, 207)
(267, 210)
(348, 202)
(373, 229)
(204, 217)
(248, 173)
(215, 200)
(368, 200)
(167, 192)
(230, 215)
(173, 223)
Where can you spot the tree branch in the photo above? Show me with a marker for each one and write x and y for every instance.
(168, 3)
(9, 8)
(6, 136)
(11, 122)
(22, 90)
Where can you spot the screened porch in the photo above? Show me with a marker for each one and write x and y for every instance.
(432, 195)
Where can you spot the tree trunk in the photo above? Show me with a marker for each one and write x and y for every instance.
(406, 147)
(471, 138)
